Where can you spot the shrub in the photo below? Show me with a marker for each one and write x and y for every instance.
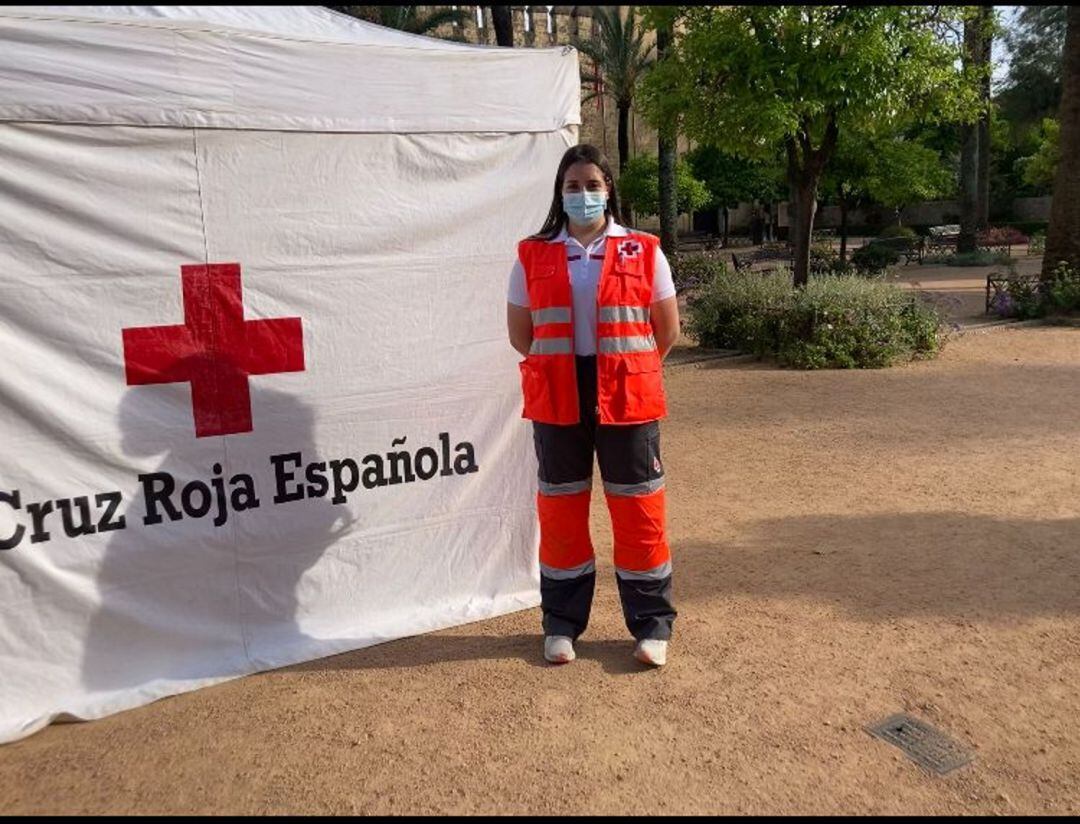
(1001, 236)
(980, 257)
(874, 258)
(1023, 300)
(1061, 291)
(899, 231)
(838, 321)
(695, 269)
(740, 310)
(1028, 227)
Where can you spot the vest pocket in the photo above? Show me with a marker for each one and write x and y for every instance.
(643, 388)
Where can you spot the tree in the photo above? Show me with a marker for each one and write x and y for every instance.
(987, 25)
(620, 58)
(1063, 234)
(405, 18)
(639, 186)
(1038, 169)
(667, 138)
(975, 136)
(904, 171)
(1033, 88)
(799, 76)
(503, 23)
(731, 180)
(892, 171)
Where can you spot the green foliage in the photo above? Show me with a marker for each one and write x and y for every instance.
(834, 322)
(1062, 289)
(761, 75)
(691, 270)
(1030, 297)
(905, 232)
(740, 310)
(980, 257)
(1022, 301)
(1036, 45)
(732, 180)
(1038, 169)
(407, 18)
(905, 171)
(617, 58)
(874, 258)
(639, 186)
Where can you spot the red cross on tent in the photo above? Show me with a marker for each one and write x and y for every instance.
(215, 349)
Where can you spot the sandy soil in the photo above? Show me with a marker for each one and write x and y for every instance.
(847, 545)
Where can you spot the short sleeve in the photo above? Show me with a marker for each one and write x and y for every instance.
(518, 293)
(663, 285)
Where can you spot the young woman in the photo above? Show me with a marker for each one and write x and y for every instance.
(592, 308)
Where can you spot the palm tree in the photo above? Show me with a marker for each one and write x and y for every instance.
(619, 59)
(1063, 234)
(405, 18)
(667, 155)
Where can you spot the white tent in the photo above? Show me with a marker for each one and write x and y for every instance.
(256, 402)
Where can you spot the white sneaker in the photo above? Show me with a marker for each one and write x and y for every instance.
(651, 651)
(559, 649)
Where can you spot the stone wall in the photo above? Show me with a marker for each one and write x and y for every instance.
(600, 118)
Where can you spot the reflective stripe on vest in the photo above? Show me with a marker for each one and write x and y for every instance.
(624, 314)
(620, 344)
(552, 314)
(552, 346)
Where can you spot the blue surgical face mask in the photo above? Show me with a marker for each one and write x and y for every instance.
(584, 208)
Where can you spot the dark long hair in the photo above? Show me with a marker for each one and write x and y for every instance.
(583, 153)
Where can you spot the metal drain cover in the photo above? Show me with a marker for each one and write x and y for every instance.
(922, 743)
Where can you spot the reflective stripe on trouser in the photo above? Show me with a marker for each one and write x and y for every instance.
(629, 460)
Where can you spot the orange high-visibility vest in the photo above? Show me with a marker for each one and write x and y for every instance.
(630, 385)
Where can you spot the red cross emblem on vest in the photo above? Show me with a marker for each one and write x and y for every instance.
(629, 249)
(215, 349)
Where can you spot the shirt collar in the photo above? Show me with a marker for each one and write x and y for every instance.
(612, 229)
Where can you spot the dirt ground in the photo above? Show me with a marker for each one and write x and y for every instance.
(847, 545)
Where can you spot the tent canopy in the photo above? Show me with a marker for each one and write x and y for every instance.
(300, 68)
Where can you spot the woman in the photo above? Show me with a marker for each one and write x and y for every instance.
(592, 308)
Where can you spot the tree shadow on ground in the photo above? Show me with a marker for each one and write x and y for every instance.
(944, 564)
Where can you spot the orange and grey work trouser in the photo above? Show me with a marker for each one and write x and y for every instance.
(629, 458)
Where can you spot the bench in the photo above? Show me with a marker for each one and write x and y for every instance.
(908, 248)
(779, 253)
(703, 242)
(998, 285)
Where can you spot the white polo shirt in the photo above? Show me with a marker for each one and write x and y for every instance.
(584, 264)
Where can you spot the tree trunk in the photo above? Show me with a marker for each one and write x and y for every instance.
(805, 166)
(667, 149)
(969, 150)
(805, 208)
(624, 135)
(1063, 234)
(503, 24)
(982, 212)
(724, 243)
(843, 228)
